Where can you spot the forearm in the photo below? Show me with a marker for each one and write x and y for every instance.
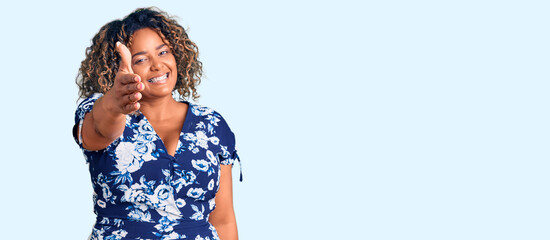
(102, 125)
(107, 122)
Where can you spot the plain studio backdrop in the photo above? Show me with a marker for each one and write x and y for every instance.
(353, 119)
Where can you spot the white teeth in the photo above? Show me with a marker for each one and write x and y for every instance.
(154, 80)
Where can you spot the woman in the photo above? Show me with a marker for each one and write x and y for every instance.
(160, 167)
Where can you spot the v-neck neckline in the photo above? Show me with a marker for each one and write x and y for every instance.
(183, 127)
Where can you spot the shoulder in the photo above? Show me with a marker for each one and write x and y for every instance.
(201, 110)
(89, 100)
(206, 113)
(85, 105)
(216, 129)
(210, 119)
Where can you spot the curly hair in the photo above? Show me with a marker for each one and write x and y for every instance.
(98, 70)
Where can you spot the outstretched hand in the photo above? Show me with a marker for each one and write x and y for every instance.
(126, 91)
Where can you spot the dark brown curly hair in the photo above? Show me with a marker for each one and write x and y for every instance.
(98, 70)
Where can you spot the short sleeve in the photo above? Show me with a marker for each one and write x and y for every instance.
(227, 154)
(85, 106)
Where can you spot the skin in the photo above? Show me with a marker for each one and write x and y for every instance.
(150, 57)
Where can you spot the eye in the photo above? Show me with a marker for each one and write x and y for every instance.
(139, 61)
(163, 53)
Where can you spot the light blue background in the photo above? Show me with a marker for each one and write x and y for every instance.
(354, 119)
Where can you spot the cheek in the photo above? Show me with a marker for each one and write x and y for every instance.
(172, 62)
(139, 70)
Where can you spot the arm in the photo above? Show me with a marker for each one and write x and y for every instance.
(106, 121)
(223, 216)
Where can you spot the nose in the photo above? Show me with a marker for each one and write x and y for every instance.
(155, 64)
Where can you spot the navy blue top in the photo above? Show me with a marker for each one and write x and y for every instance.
(142, 192)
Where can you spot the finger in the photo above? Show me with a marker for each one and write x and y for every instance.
(125, 58)
(132, 88)
(132, 107)
(133, 97)
(128, 78)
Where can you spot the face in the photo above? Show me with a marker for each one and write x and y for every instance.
(154, 62)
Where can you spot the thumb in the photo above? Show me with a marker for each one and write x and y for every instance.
(125, 58)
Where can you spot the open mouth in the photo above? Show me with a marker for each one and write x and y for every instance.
(158, 79)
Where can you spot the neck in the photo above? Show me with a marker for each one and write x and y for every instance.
(159, 108)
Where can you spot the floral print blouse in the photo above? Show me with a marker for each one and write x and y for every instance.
(142, 192)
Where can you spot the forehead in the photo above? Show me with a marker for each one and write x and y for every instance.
(145, 38)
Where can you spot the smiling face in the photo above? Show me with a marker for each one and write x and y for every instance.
(154, 62)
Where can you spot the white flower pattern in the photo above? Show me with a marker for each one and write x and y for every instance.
(135, 179)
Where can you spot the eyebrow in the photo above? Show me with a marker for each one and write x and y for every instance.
(144, 52)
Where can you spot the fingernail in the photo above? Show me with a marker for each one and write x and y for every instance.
(137, 78)
(117, 43)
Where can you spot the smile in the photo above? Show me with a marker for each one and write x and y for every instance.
(158, 79)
